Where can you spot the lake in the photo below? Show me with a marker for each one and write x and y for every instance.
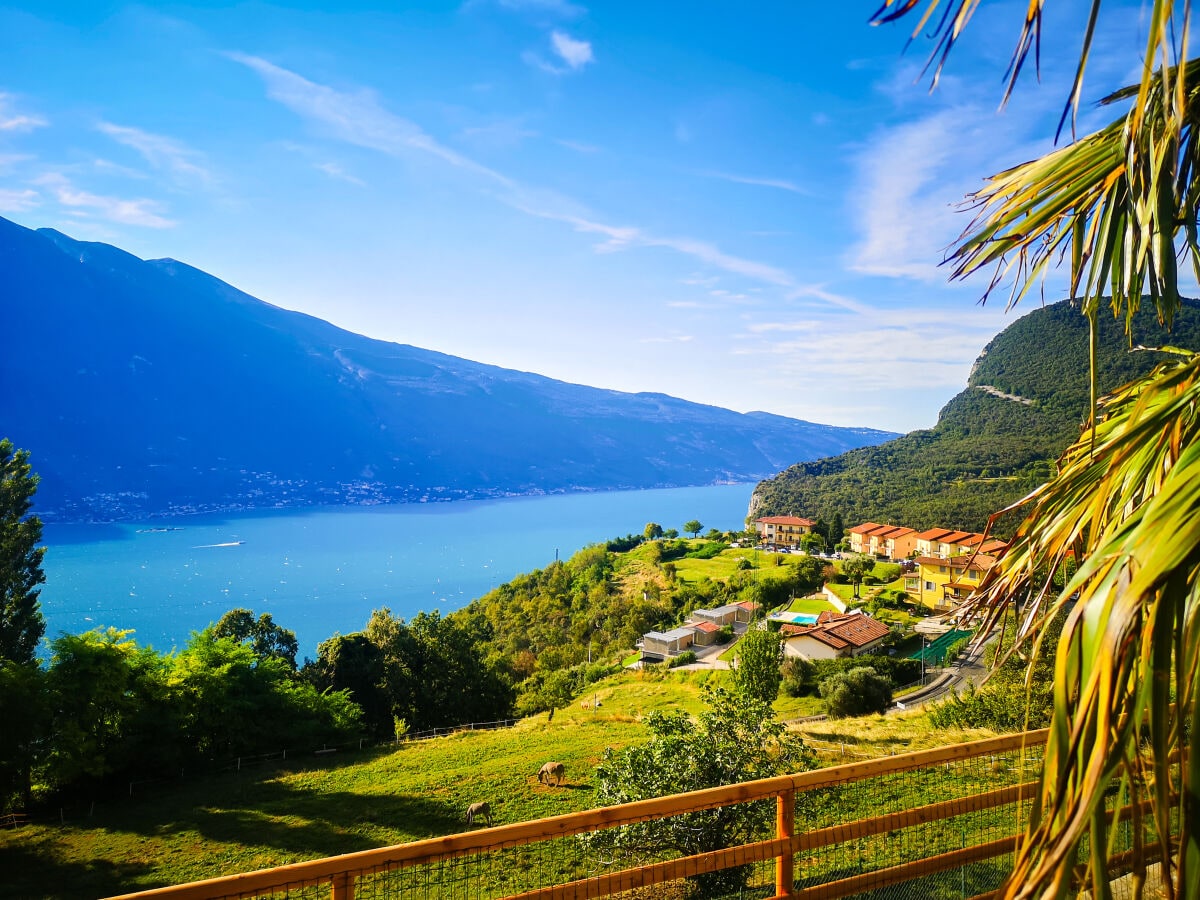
(322, 571)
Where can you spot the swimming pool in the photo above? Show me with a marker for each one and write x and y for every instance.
(794, 618)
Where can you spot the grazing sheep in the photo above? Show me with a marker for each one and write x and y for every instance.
(550, 770)
(481, 810)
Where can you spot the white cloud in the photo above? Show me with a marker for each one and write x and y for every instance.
(578, 146)
(163, 153)
(17, 201)
(333, 170)
(673, 339)
(576, 54)
(142, 212)
(14, 121)
(359, 119)
(780, 183)
(904, 210)
(11, 160)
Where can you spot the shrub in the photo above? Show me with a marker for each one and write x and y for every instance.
(858, 692)
(725, 634)
(686, 658)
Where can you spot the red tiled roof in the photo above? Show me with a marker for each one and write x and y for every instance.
(786, 520)
(980, 561)
(706, 627)
(839, 630)
(934, 534)
(749, 605)
(864, 528)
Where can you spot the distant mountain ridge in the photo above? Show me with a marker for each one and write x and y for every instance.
(1026, 399)
(150, 387)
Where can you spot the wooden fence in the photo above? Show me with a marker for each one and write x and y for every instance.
(838, 832)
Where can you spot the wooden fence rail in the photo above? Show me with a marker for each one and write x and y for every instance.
(792, 849)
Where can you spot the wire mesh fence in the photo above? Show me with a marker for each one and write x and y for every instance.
(928, 825)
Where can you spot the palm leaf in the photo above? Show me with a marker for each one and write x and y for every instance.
(1130, 512)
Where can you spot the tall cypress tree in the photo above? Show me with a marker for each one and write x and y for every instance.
(21, 622)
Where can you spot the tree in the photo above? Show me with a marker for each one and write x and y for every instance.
(837, 530)
(858, 692)
(262, 635)
(693, 527)
(653, 531)
(758, 673)
(733, 739)
(856, 567)
(352, 663)
(1117, 206)
(21, 622)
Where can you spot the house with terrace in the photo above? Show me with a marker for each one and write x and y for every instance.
(942, 583)
(889, 542)
(947, 542)
(834, 635)
(782, 531)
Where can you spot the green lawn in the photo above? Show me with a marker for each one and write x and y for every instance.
(813, 605)
(266, 816)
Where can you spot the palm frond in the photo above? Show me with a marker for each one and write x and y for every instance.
(1128, 663)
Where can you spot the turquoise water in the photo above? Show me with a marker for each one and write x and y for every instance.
(323, 571)
(796, 618)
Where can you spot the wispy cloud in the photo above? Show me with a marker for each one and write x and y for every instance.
(578, 146)
(12, 160)
(576, 54)
(904, 216)
(779, 183)
(333, 170)
(358, 118)
(671, 339)
(142, 212)
(163, 153)
(561, 9)
(13, 121)
(18, 201)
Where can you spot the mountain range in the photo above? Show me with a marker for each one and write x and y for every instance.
(1026, 399)
(148, 387)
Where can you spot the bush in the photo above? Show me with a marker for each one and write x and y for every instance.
(858, 692)
(799, 677)
(725, 634)
(686, 658)
(707, 550)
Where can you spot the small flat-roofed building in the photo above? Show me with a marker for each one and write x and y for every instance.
(721, 615)
(706, 633)
(668, 643)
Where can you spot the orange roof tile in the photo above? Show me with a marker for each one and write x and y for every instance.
(786, 520)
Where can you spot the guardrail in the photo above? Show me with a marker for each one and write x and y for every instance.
(951, 813)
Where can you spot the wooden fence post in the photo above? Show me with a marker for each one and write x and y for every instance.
(785, 827)
(343, 886)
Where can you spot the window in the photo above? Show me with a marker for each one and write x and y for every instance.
(929, 586)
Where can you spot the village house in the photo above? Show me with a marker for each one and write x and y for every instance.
(941, 583)
(782, 531)
(889, 542)
(946, 542)
(834, 635)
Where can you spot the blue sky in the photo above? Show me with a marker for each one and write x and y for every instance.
(739, 204)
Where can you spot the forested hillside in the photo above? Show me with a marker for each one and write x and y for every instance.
(986, 451)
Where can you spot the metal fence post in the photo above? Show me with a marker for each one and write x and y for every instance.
(785, 827)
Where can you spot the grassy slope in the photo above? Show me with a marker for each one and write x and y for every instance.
(238, 822)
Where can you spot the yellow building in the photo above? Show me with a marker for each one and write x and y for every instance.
(942, 583)
(782, 531)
